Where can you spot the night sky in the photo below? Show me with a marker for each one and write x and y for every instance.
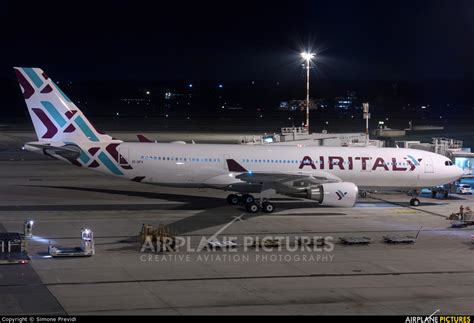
(238, 40)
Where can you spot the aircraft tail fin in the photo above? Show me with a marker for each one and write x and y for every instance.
(55, 117)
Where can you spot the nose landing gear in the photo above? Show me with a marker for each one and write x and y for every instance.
(415, 202)
(414, 198)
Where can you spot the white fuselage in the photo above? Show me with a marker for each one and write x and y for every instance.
(201, 165)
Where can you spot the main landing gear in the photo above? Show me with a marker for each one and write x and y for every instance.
(234, 199)
(252, 205)
(257, 205)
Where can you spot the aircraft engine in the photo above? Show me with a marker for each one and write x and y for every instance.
(334, 194)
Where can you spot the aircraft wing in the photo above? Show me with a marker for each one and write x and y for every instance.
(274, 177)
(296, 179)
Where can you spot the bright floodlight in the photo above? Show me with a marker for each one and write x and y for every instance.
(307, 56)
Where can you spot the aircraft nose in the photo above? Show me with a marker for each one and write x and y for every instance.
(458, 172)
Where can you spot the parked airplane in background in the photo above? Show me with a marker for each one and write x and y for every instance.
(328, 175)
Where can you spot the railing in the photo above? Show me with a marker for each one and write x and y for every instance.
(442, 145)
(294, 130)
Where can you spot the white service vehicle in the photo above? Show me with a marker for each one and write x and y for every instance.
(464, 189)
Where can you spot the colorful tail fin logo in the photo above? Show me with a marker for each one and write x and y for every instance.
(340, 194)
(55, 117)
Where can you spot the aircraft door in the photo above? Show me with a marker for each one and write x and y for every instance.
(429, 168)
(123, 156)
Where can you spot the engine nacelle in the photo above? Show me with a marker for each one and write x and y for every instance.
(334, 194)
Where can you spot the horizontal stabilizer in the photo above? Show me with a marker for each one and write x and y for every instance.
(142, 138)
(68, 152)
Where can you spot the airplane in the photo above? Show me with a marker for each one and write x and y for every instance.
(331, 176)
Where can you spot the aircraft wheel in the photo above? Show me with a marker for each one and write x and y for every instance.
(363, 194)
(415, 202)
(252, 208)
(268, 207)
(233, 199)
(248, 199)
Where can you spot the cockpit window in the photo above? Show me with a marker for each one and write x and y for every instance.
(448, 163)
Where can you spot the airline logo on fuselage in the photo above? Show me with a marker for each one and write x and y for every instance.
(409, 163)
(340, 194)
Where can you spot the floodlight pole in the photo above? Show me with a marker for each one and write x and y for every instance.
(307, 94)
(366, 117)
(307, 57)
